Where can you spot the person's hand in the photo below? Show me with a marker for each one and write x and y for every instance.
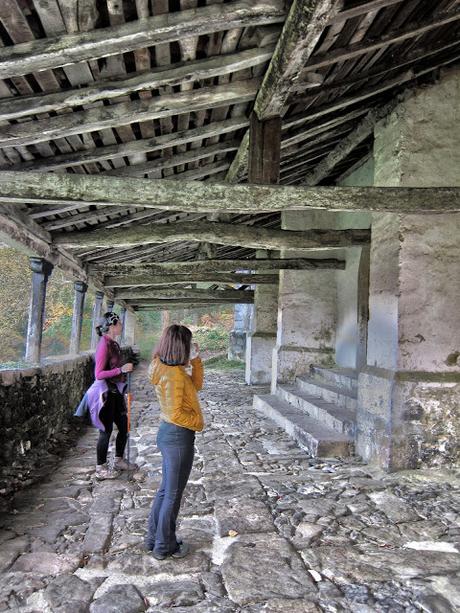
(195, 351)
(127, 367)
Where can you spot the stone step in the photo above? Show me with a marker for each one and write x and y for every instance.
(346, 378)
(319, 440)
(330, 393)
(340, 419)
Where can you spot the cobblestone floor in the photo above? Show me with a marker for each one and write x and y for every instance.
(270, 528)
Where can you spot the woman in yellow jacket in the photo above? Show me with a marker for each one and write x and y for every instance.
(181, 417)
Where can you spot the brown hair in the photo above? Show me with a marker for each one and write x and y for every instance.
(174, 346)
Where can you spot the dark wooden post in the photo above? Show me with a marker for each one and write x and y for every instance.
(77, 316)
(110, 304)
(97, 314)
(41, 270)
(264, 150)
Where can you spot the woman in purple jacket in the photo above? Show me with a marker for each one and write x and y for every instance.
(108, 397)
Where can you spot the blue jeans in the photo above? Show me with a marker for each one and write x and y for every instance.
(177, 446)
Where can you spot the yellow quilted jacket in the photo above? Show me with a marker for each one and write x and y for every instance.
(177, 393)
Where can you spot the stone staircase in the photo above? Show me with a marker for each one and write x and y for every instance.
(318, 411)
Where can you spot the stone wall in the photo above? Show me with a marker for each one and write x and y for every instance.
(36, 417)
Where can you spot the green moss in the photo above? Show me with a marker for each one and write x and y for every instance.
(220, 362)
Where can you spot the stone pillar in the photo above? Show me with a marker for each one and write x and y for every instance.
(241, 326)
(97, 314)
(41, 270)
(261, 341)
(306, 308)
(123, 321)
(129, 329)
(409, 393)
(110, 304)
(77, 316)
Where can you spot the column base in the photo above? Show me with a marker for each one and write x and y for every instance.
(289, 361)
(259, 349)
(408, 419)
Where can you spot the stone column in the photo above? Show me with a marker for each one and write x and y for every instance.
(77, 316)
(123, 321)
(110, 304)
(261, 341)
(306, 308)
(97, 314)
(409, 393)
(129, 329)
(41, 270)
(241, 326)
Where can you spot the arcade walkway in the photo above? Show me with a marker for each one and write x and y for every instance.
(271, 529)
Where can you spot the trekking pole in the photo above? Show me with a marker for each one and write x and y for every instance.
(128, 408)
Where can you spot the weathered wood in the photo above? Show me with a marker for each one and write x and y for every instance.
(86, 217)
(138, 280)
(303, 27)
(41, 270)
(213, 232)
(341, 55)
(157, 143)
(213, 266)
(43, 54)
(80, 122)
(364, 129)
(264, 150)
(362, 9)
(194, 196)
(221, 294)
(176, 74)
(139, 170)
(77, 316)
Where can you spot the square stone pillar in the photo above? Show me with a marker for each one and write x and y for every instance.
(41, 270)
(241, 327)
(97, 314)
(261, 341)
(129, 328)
(409, 393)
(77, 316)
(306, 308)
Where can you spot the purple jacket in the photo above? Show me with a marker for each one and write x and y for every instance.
(96, 397)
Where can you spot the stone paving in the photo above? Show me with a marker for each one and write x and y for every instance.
(270, 528)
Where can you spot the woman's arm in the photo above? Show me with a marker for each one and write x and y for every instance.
(101, 359)
(197, 373)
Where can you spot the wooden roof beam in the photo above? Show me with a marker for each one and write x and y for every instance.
(213, 232)
(396, 36)
(48, 53)
(301, 31)
(197, 197)
(213, 266)
(363, 130)
(205, 294)
(203, 277)
(97, 118)
(176, 74)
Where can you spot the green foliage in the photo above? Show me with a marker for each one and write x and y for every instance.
(211, 339)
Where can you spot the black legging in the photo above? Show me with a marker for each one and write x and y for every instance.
(113, 412)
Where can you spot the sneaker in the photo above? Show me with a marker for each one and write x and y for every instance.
(122, 464)
(159, 556)
(104, 472)
(182, 550)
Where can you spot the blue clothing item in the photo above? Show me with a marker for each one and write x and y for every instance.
(177, 447)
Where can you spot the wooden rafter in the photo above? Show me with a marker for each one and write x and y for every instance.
(230, 294)
(44, 54)
(204, 277)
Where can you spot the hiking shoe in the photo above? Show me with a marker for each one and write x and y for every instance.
(182, 550)
(159, 556)
(122, 464)
(104, 472)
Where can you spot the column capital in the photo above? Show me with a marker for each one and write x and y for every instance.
(80, 286)
(99, 295)
(40, 265)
